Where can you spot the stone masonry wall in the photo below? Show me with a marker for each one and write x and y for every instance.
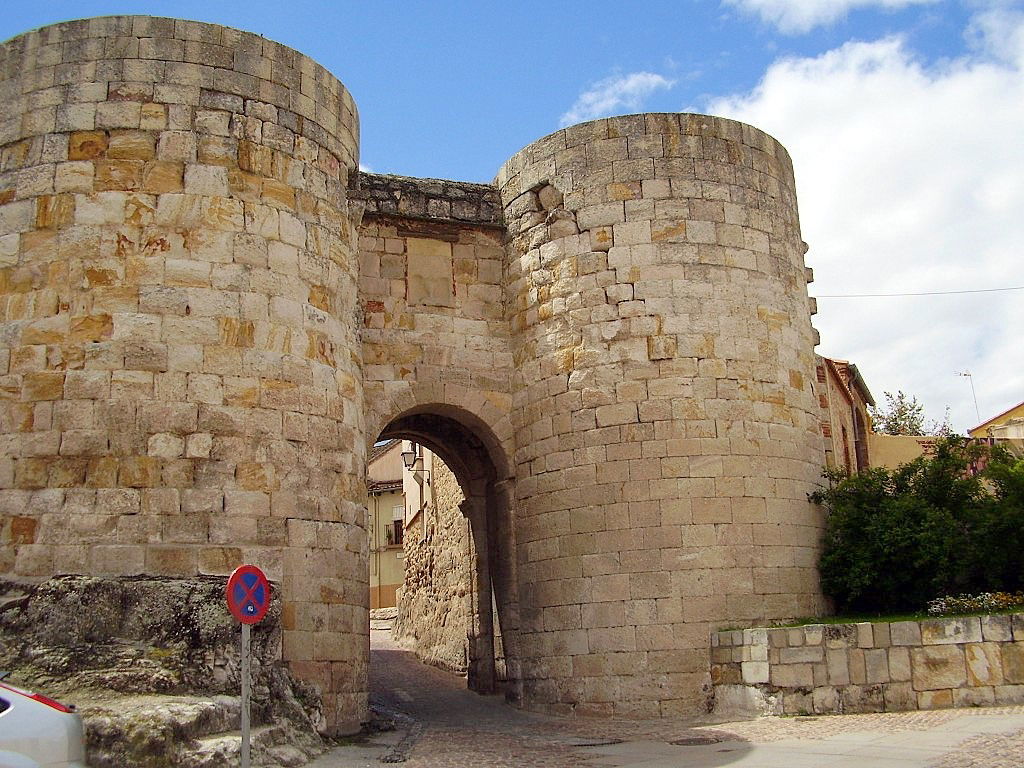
(208, 316)
(430, 255)
(434, 602)
(179, 359)
(870, 667)
(666, 429)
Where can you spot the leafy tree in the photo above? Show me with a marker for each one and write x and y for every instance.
(904, 415)
(895, 539)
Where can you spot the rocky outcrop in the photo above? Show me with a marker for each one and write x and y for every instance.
(154, 667)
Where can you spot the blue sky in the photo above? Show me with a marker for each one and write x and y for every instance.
(903, 118)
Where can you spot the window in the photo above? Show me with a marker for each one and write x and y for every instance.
(393, 533)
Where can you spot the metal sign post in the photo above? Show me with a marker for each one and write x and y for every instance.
(245, 695)
(248, 593)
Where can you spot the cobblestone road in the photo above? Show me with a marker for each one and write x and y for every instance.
(440, 724)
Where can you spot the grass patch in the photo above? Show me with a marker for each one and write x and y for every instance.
(857, 618)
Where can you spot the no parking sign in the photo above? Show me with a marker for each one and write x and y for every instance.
(248, 594)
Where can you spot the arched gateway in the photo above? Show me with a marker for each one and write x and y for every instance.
(209, 313)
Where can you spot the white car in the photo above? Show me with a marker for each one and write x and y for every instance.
(38, 732)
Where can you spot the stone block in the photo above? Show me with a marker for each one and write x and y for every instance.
(825, 700)
(876, 666)
(947, 631)
(942, 699)
(755, 672)
(880, 633)
(838, 667)
(899, 665)
(938, 667)
(905, 633)
(996, 629)
(984, 664)
(899, 697)
(865, 635)
(973, 697)
(814, 634)
(1013, 662)
(792, 675)
(807, 654)
(1009, 694)
(858, 669)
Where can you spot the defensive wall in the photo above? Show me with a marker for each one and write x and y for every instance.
(209, 314)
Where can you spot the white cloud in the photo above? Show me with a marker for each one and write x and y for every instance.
(910, 179)
(797, 16)
(614, 95)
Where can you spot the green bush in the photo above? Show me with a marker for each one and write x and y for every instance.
(895, 539)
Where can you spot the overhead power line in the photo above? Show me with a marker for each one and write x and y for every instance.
(921, 293)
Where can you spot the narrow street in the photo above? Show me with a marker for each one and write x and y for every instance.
(442, 725)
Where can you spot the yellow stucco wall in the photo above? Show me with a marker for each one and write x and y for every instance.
(892, 450)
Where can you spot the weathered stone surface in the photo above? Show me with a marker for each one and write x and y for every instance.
(577, 332)
(937, 667)
(946, 631)
(434, 608)
(112, 644)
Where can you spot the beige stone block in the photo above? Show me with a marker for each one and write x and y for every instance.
(118, 114)
(899, 697)
(807, 654)
(938, 667)
(973, 697)
(139, 472)
(177, 147)
(996, 628)
(935, 699)
(117, 560)
(905, 633)
(161, 176)
(166, 445)
(984, 664)
(153, 117)
(247, 503)
(209, 180)
(792, 675)
(129, 145)
(838, 667)
(86, 145)
(858, 667)
(83, 442)
(1013, 661)
(1009, 694)
(865, 635)
(42, 385)
(293, 231)
(172, 560)
(813, 634)
(755, 672)
(219, 561)
(946, 631)
(876, 666)
(899, 664)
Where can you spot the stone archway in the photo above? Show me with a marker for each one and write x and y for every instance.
(471, 451)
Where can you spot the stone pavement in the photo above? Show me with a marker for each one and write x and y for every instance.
(440, 724)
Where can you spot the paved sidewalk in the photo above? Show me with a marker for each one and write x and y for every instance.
(440, 724)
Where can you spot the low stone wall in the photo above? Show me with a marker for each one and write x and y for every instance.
(869, 667)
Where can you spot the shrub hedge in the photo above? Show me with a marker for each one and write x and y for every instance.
(896, 539)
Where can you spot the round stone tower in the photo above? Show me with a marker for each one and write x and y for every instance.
(180, 354)
(665, 425)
